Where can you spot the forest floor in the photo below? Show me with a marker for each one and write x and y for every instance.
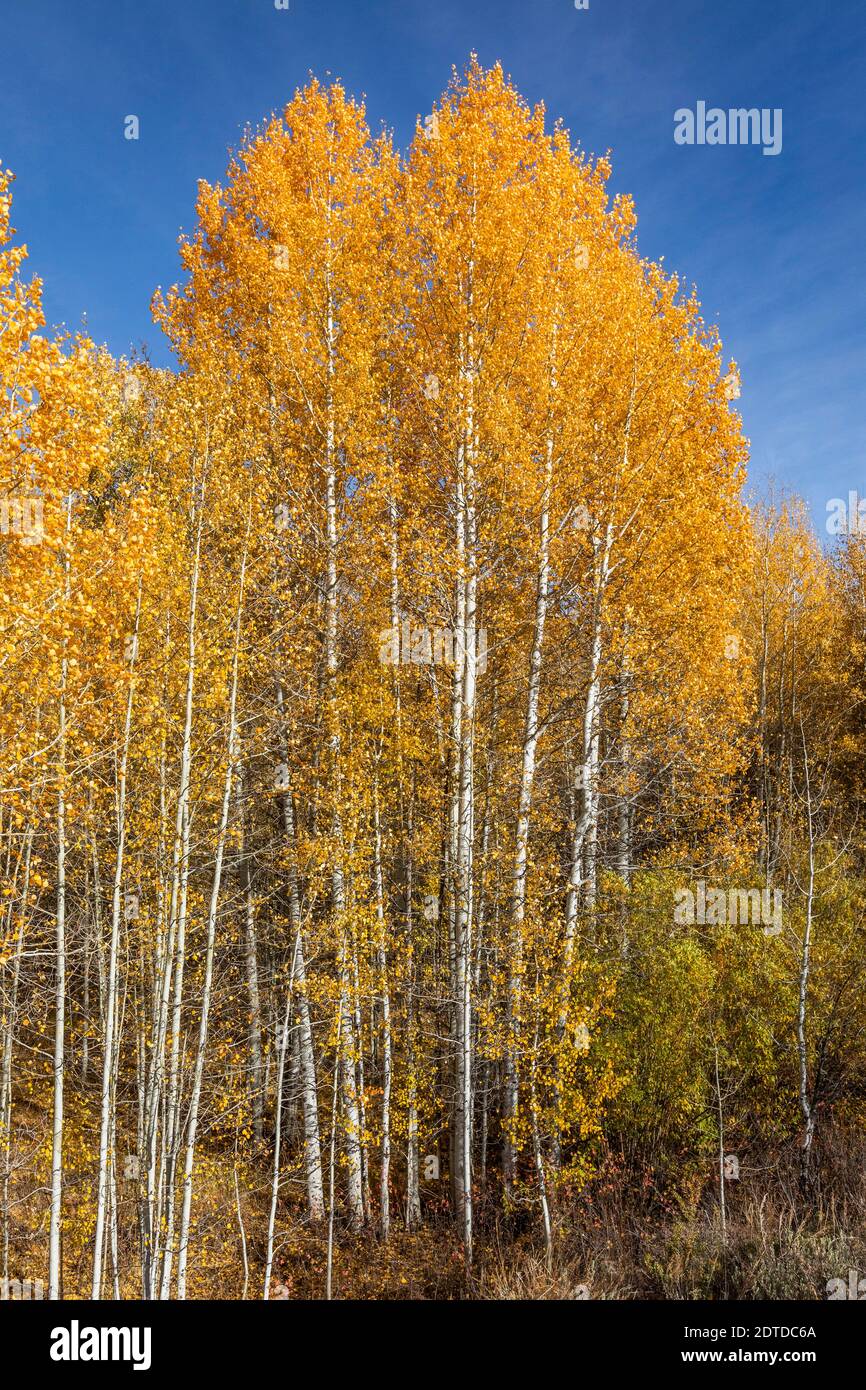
(616, 1240)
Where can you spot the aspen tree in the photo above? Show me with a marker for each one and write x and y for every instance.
(213, 911)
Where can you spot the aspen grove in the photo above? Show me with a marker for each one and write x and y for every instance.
(372, 688)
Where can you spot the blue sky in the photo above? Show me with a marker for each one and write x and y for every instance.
(775, 245)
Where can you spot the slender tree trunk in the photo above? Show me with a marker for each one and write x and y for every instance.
(55, 1274)
(252, 972)
(108, 1057)
(332, 1160)
(524, 807)
(413, 1166)
(382, 966)
(213, 911)
(278, 1134)
(11, 1005)
(721, 1149)
(177, 940)
(624, 818)
(806, 1101)
(309, 1098)
(351, 1110)
(467, 639)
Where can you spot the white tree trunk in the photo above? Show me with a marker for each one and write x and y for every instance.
(108, 1057)
(524, 807)
(56, 1211)
(382, 966)
(307, 1058)
(213, 910)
